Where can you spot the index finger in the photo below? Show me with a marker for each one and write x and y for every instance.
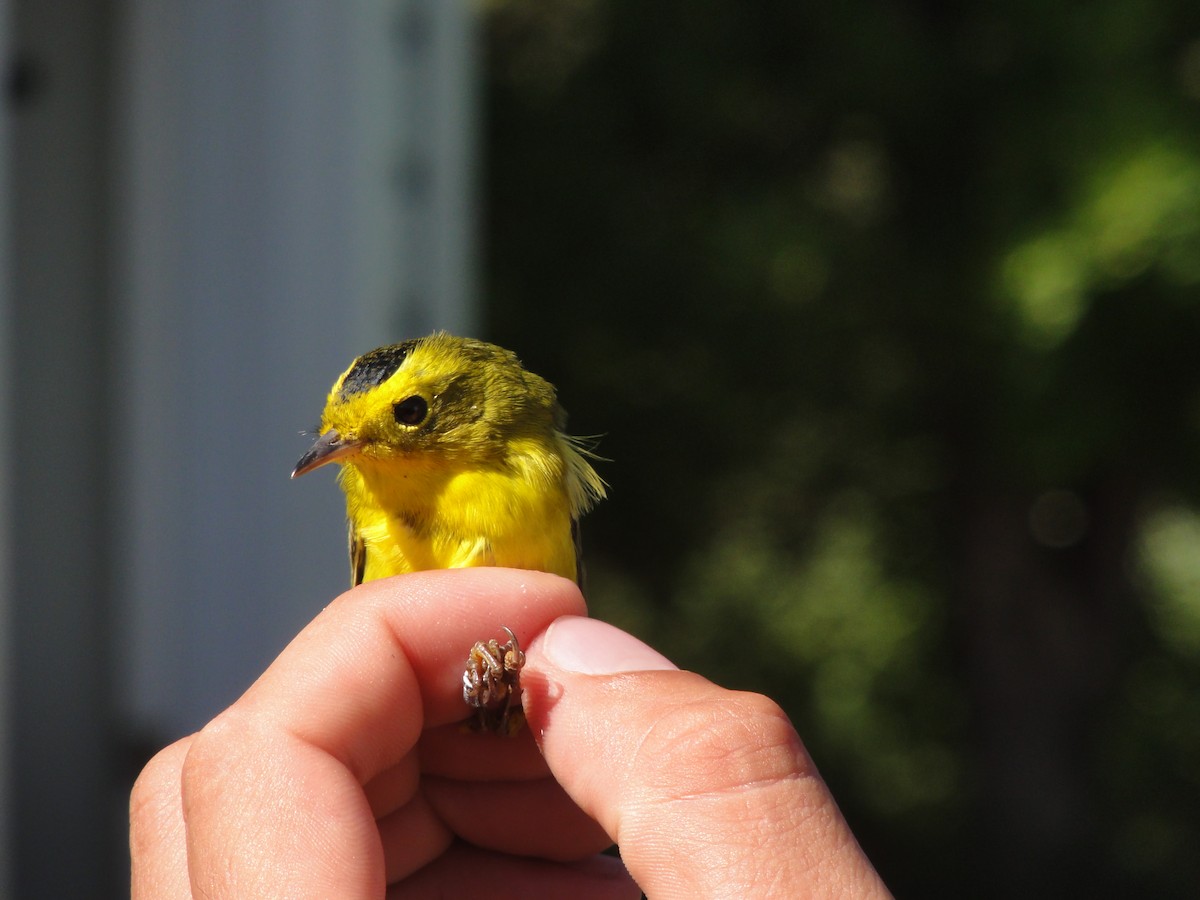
(386, 659)
(273, 788)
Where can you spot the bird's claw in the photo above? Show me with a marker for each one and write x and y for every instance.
(491, 685)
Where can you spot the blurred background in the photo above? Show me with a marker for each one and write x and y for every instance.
(888, 315)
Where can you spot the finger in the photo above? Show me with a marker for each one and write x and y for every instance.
(157, 843)
(411, 837)
(344, 702)
(678, 769)
(392, 788)
(446, 611)
(467, 871)
(354, 665)
(453, 751)
(528, 818)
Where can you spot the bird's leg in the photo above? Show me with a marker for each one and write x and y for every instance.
(491, 685)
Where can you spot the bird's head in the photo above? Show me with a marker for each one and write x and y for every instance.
(438, 397)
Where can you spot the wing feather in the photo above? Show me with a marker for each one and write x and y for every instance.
(358, 557)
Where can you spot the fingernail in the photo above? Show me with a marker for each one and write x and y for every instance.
(592, 647)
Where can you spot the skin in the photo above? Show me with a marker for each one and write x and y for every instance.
(341, 771)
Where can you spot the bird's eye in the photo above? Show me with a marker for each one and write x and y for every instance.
(411, 410)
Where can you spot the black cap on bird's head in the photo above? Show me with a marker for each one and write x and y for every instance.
(372, 369)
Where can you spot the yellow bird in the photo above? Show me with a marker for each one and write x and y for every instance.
(453, 455)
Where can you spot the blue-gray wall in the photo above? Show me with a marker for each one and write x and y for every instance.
(215, 205)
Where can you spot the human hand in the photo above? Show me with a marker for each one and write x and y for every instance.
(343, 771)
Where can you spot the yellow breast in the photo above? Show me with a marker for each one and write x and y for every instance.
(438, 519)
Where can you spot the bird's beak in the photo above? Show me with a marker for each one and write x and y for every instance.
(328, 447)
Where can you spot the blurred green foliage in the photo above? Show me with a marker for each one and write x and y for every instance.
(889, 314)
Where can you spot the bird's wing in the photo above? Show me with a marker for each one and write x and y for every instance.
(358, 557)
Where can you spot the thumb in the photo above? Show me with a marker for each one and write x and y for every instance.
(708, 792)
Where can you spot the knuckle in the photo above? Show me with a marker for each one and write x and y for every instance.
(726, 743)
(213, 758)
(155, 797)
